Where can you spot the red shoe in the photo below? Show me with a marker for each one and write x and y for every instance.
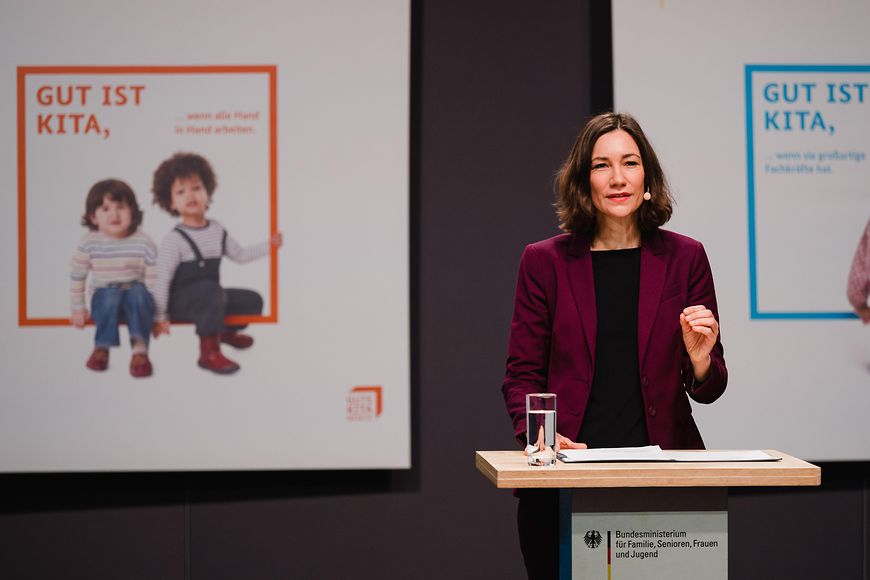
(140, 366)
(211, 358)
(99, 359)
(237, 340)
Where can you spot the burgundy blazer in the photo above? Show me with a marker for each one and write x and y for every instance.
(553, 331)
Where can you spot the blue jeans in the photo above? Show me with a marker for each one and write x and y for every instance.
(113, 304)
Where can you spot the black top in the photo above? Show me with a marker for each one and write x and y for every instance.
(614, 415)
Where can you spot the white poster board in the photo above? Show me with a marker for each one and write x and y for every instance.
(759, 113)
(302, 109)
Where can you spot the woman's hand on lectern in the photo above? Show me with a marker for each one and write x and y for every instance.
(563, 442)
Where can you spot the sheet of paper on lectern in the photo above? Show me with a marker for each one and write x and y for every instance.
(655, 453)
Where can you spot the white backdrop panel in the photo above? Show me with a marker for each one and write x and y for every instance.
(341, 147)
(732, 136)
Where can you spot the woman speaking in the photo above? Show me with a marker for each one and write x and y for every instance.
(616, 316)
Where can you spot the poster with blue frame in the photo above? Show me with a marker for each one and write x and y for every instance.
(806, 131)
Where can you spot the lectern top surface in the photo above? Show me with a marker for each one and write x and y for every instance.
(508, 469)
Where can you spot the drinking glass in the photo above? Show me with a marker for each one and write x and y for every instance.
(541, 429)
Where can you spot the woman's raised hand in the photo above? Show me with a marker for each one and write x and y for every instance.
(700, 330)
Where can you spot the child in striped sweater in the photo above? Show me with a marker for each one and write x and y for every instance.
(122, 264)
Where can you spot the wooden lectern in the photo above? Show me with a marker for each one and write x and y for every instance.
(644, 520)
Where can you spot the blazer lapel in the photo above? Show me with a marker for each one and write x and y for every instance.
(580, 277)
(653, 268)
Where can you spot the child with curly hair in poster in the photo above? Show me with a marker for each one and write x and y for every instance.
(188, 279)
(122, 264)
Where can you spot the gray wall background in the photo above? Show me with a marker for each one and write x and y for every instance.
(500, 91)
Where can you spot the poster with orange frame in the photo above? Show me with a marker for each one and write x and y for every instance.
(89, 107)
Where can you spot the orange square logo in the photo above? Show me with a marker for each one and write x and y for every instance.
(364, 403)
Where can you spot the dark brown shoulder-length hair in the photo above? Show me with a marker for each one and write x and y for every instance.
(181, 165)
(117, 191)
(573, 191)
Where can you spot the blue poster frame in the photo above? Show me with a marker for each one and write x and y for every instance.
(754, 311)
